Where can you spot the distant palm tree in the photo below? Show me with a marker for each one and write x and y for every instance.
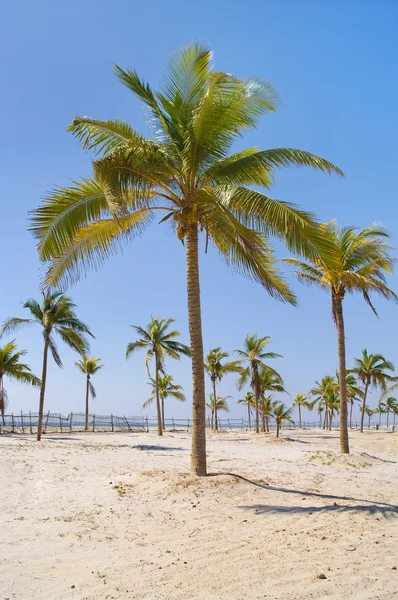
(380, 410)
(325, 395)
(369, 412)
(217, 369)
(395, 413)
(282, 415)
(56, 314)
(250, 401)
(371, 369)
(301, 401)
(332, 404)
(358, 264)
(159, 343)
(188, 171)
(390, 405)
(221, 404)
(354, 392)
(254, 356)
(88, 366)
(167, 388)
(13, 369)
(267, 406)
(270, 381)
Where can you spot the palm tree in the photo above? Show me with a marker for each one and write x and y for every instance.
(187, 171)
(369, 412)
(254, 356)
(167, 388)
(394, 412)
(216, 370)
(10, 366)
(267, 406)
(332, 404)
(159, 343)
(250, 401)
(390, 405)
(324, 393)
(56, 315)
(221, 404)
(358, 264)
(380, 410)
(320, 409)
(282, 414)
(371, 369)
(269, 381)
(354, 392)
(300, 400)
(88, 366)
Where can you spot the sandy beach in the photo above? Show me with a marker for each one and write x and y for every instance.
(118, 516)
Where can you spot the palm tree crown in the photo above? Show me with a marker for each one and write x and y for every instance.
(89, 366)
(11, 367)
(217, 369)
(167, 388)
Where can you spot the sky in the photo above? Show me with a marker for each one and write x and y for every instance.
(333, 64)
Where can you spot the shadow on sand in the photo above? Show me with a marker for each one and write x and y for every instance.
(145, 448)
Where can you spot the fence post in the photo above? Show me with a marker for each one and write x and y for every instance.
(71, 417)
(12, 421)
(48, 415)
(93, 422)
(112, 422)
(22, 422)
(30, 422)
(60, 423)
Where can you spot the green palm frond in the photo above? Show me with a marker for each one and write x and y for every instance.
(102, 136)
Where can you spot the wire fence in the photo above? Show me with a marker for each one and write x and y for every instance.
(26, 423)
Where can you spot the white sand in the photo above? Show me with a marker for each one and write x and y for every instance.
(117, 516)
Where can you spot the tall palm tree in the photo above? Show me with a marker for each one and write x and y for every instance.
(250, 401)
(269, 381)
(390, 405)
(167, 388)
(254, 356)
(11, 367)
(216, 370)
(282, 414)
(89, 366)
(220, 404)
(369, 413)
(56, 315)
(301, 401)
(187, 171)
(159, 343)
(359, 263)
(371, 370)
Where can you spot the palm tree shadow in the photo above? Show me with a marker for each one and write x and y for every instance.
(147, 448)
(369, 506)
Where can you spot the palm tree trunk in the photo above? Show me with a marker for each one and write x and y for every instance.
(369, 422)
(163, 421)
(330, 420)
(352, 404)
(87, 390)
(320, 420)
(2, 401)
(267, 423)
(277, 428)
(198, 448)
(344, 444)
(365, 393)
(158, 409)
(262, 423)
(388, 412)
(257, 394)
(379, 416)
(215, 404)
(299, 410)
(43, 384)
(248, 414)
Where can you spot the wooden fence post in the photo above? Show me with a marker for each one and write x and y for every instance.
(93, 422)
(71, 417)
(30, 422)
(22, 422)
(147, 424)
(12, 421)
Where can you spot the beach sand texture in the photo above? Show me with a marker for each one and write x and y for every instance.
(118, 516)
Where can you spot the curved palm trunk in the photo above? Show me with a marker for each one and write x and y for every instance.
(87, 391)
(344, 445)
(198, 448)
(43, 385)
(365, 393)
(215, 403)
(299, 411)
(158, 409)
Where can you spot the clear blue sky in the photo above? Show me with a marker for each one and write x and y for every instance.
(334, 66)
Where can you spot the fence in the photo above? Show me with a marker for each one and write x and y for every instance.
(55, 422)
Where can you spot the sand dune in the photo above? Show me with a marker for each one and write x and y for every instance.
(117, 516)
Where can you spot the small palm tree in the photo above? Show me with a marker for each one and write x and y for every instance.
(332, 403)
(159, 343)
(217, 369)
(381, 410)
(89, 366)
(390, 405)
(358, 264)
(254, 356)
(186, 170)
(301, 401)
(56, 315)
(269, 381)
(323, 392)
(167, 388)
(250, 401)
(369, 413)
(371, 370)
(282, 415)
(220, 404)
(11, 367)
(267, 406)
